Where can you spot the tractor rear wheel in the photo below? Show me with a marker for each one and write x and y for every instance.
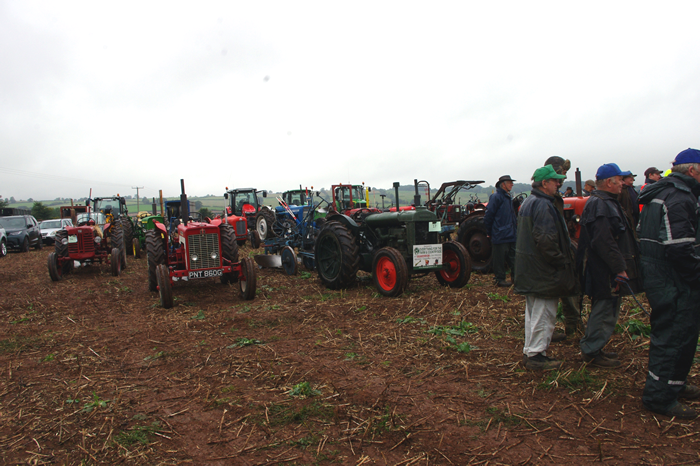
(389, 272)
(229, 251)
(248, 281)
(473, 236)
(165, 288)
(457, 263)
(136, 246)
(337, 256)
(155, 252)
(54, 269)
(263, 223)
(289, 260)
(127, 231)
(116, 261)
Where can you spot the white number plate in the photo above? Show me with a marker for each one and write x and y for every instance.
(435, 226)
(205, 274)
(427, 255)
(73, 239)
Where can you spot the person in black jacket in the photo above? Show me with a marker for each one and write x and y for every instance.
(669, 233)
(607, 260)
(500, 222)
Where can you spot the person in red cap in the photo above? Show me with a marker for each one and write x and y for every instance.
(669, 234)
(500, 222)
(607, 254)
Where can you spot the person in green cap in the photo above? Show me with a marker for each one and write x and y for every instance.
(544, 262)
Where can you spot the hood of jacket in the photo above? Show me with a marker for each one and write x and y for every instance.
(678, 180)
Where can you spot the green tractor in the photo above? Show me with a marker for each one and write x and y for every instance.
(143, 223)
(393, 246)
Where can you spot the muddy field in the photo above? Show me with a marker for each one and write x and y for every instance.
(93, 371)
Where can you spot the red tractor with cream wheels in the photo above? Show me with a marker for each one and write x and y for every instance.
(393, 246)
(196, 250)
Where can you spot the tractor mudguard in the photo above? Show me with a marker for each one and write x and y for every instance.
(159, 226)
(346, 221)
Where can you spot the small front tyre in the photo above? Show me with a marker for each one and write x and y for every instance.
(457, 267)
(165, 288)
(248, 279)
(116, 261)
(389, 272)
(55, 271)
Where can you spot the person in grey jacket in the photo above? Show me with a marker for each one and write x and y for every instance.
(501, 224)
(545, 266)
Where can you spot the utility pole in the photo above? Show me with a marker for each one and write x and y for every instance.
(137, 197)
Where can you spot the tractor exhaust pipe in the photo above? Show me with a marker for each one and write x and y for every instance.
(154, 207)
(185, 212)
(578, 182)
(416, 196)
(396, 193)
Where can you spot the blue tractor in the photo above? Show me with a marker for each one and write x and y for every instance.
(296, 227)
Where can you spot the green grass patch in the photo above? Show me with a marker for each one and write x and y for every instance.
(498, 297)
(303, 390)
(580, 379)
(137, 435)
(95, 403)
(241, 342)
(636, 328)
(200, 316)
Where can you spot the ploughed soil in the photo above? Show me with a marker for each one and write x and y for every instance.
(94, 371)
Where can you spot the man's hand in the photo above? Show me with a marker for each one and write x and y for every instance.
(621, 278)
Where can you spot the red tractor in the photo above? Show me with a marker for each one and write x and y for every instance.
(351, 200)
(92, 241)
(194, 250)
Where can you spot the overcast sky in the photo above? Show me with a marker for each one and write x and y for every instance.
(114, 95)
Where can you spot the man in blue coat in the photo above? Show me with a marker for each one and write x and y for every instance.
(501, 224)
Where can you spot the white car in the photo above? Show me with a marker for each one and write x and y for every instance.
(50, 227)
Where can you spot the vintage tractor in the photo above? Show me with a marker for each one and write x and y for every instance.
(573, 208)
(88, 243)
(194, 250)
(296, 229)
(392, 246)
(245, 203)
(292, 207)
(115, 211)
(144, 221)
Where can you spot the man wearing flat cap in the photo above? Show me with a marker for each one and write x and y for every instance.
(628, 198)
(651, 175)
(569, 304)
(500, 222)
(669, 233)
(607, 261)
(588, 188)
(545, 263)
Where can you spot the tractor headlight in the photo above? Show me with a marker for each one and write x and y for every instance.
(64, 241)
(214, 255)
(194, 257)
(98, 240)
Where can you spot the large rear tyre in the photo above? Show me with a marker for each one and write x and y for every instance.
(473, 236)
(115, 261)
(136, 248)
(289, 260)
(248, 281)
(117, 238)
(155, 251)
(457, 265)
(389, 272)
(165, 288)
(337, 256)
(127, 232)
(263, 223)
(229, 251)
(54, 270)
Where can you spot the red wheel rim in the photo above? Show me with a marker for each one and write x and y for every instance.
(386, 273)
(450, 259)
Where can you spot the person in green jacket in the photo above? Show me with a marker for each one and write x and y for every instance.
(669, 233)
(544, 263)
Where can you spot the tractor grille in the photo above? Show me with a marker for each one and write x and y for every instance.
(203, 246)
(241, 228)
(86, 242)
(423, 236)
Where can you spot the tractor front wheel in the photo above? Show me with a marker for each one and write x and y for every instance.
(61, 249)
(155, 253)
(116, 261)
(457, 265)
(389, 272)
(54, 269)
(337, 256)
(118, 242)
(248, 281)
(165, 288)
(263, 223)
(473, 235)
(229, 251)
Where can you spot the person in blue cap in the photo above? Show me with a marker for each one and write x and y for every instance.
(607, 261)
(669, 233)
